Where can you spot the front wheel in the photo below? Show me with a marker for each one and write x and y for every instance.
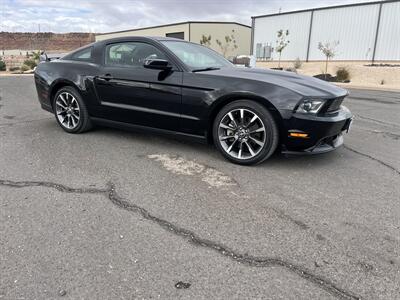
(245, 132)
(70, 111)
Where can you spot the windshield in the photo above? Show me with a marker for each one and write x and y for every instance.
(197, 56)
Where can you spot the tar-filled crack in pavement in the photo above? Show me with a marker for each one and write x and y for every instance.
(372, 158)
(193, 238)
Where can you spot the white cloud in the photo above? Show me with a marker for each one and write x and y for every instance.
(106, 15)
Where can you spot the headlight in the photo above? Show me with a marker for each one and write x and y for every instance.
(310, 106)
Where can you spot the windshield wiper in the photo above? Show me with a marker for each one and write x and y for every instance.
(206, 69)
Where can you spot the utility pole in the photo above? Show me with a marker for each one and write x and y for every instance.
(39, 41)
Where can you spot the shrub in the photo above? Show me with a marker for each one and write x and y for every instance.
(326, 77)
(2, 65)
(290, 69)
(24, 68)
(30, 63)
(342, 74)
(297, 63)
(12, 69)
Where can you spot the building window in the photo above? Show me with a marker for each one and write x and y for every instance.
(177, 35)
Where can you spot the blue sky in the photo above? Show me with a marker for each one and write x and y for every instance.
(108, 15)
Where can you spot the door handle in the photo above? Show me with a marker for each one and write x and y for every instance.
(106, 77)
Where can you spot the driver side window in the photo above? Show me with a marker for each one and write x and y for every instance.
(130, 54)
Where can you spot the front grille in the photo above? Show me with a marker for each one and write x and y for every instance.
(334, 104)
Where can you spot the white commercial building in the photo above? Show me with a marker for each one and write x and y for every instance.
(365, 31)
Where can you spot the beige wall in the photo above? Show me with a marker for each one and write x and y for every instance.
(216, 30)
(157, 31)
(219, 31)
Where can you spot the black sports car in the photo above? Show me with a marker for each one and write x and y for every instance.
(172, 86)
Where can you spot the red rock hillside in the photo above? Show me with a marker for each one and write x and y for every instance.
(48, 41)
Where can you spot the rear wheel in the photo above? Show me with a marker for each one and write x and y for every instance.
(70, 111)
(245, 132)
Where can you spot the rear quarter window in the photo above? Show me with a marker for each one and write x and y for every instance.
(83, 55)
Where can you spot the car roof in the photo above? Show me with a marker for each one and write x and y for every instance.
(143, 38)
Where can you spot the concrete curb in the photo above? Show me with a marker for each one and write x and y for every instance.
(364, 87)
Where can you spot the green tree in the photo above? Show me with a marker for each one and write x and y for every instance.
(329, 50)
(228, 45)
(205, 40)
(281, 43)
(36, 55)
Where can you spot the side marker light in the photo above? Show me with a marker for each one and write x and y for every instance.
(298, 135)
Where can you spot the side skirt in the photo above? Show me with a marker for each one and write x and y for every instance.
(140, 128)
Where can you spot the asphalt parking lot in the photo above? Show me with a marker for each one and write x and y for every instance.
(119, 215)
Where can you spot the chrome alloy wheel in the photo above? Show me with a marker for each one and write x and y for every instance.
(67, 109)
(241, 133)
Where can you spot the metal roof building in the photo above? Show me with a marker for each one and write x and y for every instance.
(365, 31)
(193, 31)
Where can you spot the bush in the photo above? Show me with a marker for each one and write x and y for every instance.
(326, 77)
(12, 69)
(342, 74)
(290, 69)
(30, 63)
(297, 63)
(25, 68)
(2, 65)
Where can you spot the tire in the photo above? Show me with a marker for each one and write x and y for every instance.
(69, 106)
(245, 132)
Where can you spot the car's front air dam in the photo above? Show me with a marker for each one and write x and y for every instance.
(320, 134)
(325, 145)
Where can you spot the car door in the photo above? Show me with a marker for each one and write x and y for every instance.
(130, 93)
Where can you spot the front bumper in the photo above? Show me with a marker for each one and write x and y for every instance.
(324, 132)
(329, 145)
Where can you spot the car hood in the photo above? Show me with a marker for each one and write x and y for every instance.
(303, 85)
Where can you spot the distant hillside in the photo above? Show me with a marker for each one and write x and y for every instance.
(48, 41)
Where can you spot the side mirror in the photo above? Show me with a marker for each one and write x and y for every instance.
(157, 64)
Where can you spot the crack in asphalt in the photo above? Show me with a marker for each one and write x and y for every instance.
(190, 236)
(378, 121)
(393, 136)
(23, 122)
(372, 158)
(48, 184)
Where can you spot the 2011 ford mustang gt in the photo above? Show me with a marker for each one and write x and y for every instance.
(171, 86)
